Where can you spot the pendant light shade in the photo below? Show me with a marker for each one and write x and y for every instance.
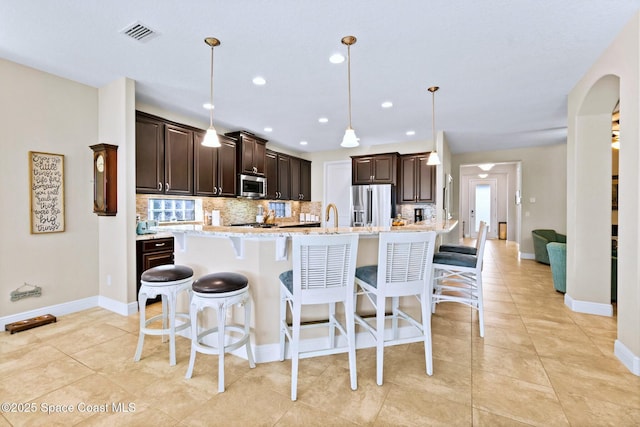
(350, 139)
(434, 159)
(211, 137)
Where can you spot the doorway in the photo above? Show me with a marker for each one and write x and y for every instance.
(336, 174)
(483, 207)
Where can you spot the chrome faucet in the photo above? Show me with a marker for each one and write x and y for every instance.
(335, 214)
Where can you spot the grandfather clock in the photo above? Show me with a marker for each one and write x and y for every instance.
(105, 179)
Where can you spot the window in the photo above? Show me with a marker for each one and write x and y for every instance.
(168, 210)
(282, 209)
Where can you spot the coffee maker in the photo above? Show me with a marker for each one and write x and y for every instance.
(418, 214)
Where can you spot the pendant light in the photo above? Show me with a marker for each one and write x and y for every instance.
(349, 140)
(211, 137)
(434, 159)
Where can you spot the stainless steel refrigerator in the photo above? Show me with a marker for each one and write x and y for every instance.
(372, 205)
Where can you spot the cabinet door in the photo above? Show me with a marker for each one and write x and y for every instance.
(296, 189)
(149, 155)
(178, 146)
(362, 170)
(248, 147)
(259, 150)
(284, 178)
(384, 169)
(407, 190)
(305, 180)
(227, 177)
(206, 167)
(425, 180)
(271, 173)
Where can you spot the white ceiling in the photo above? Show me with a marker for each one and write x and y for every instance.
(504, 67)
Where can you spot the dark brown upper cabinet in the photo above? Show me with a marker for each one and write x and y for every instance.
(164, 157)
(178, 157)
(149, 155)
(374, 169)
(278, 175)
(417, 179)
(214, 168)
(300, 179)
(251, 152)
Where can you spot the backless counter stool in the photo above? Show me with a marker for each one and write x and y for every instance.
(168, 281)
(220, 291)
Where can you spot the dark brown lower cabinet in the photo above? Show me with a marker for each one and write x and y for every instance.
(151, 253)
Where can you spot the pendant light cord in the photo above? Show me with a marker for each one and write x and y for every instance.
(349, 80)
(211, 93)
(433, 117)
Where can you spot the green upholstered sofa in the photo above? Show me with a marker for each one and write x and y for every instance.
(558, 258)
(540, 239)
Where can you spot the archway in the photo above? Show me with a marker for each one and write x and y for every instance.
(589, 213)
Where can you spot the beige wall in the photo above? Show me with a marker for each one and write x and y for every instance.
(42, 112)
(544, 177)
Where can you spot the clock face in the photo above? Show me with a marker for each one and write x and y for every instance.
(100, 163)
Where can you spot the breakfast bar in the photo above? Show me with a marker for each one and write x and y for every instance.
(261, 255)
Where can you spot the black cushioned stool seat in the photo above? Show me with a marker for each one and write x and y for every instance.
(220, 291)
(166, 273)
(216, 283)
(168, 281)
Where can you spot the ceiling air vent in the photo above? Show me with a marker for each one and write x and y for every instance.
(139, 31)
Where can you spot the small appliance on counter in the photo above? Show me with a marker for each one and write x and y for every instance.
(260, 214)
(146, 227)
(418, 214)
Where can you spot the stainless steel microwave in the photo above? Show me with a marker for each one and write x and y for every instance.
(252, 186)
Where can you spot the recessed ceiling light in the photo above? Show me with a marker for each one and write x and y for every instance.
(486, 166)
(208, 106)
(323, 120)
(336, 58)
(387, 104)
(410, 132)
(267, 129)
(483, 175)
(259, 81)
(303, 143)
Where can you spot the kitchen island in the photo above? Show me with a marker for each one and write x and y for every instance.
(262, 254)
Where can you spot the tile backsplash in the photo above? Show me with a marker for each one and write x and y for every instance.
(233, 210)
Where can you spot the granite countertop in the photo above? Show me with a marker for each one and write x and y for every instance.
(249, 232)
(159, 235)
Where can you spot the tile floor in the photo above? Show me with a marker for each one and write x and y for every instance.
(539, 364)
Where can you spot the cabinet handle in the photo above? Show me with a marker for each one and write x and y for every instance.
(159, 186)
(255, 169)
(220, 190)
(160, 244)
(215, 190)
(166, 185)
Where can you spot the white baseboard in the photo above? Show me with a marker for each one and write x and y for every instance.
(626, 356)
(526, 255)
(56, 310)
(124, 309)
(588, 307)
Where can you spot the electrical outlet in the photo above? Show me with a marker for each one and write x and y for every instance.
(108, 280)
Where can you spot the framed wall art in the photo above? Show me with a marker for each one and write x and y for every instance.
(46, 186)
